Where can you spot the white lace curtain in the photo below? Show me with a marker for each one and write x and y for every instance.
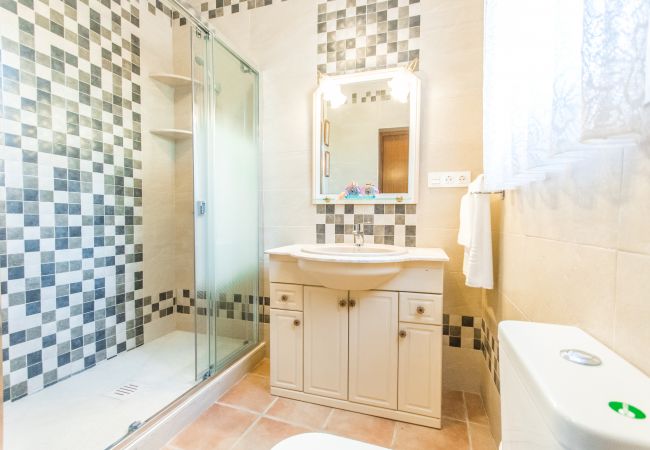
(561, 78)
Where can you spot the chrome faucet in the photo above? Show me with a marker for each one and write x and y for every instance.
(357, 232)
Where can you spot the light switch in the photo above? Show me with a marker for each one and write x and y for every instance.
(449, 179)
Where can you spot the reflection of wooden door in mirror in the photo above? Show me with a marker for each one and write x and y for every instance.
(393, 160)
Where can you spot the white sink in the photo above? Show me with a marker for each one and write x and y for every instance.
(353, 250)
(347, 267)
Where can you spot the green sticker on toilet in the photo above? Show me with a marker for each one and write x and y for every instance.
(627, 410)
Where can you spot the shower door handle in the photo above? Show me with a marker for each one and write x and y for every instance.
(201, 207)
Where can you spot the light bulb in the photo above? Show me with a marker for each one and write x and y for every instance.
(332, 92)
(400, 86)
(337, 99)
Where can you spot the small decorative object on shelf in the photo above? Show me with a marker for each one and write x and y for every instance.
(370, 189)
(355, 192)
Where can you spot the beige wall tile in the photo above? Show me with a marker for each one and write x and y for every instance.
(632, 333)
(569, 284)
(458, 298)
(580, 205)
(492, 402)
(634, 206)
(461, 369)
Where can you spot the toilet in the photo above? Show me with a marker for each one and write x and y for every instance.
(562, 389)
(323, 441)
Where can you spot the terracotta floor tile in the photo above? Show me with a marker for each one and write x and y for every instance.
(251, 393)
(217, 428)
(373, 430)
(299, 413)
(475, 409)
(453, 435)
(453, 405)
(266, 433)
(481, 437)
(263, 368)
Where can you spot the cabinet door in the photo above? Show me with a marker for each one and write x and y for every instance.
(373, 348)
(326, 342)
(420, 364)
(286, 349)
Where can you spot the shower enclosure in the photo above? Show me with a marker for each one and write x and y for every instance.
(129, 215)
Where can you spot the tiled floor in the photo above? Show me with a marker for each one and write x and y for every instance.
(248, 417)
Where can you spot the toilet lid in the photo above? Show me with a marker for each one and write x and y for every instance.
(322, 441)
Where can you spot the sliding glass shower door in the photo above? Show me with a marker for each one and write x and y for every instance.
(227, 185)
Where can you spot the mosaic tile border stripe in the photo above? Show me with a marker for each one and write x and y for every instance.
(229, 306)
(461, 331)
(379, 95)
(490, 349)
(382, 224)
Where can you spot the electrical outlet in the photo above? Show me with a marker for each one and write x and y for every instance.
(449, 179)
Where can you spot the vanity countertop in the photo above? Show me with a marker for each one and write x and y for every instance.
(411, 254)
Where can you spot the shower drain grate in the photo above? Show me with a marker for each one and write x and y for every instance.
(125, 391)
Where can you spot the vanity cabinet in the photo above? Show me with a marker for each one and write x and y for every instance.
(375, 352)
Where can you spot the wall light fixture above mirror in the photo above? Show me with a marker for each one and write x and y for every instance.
(366, 137)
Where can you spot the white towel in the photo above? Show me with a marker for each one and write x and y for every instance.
(475, 234)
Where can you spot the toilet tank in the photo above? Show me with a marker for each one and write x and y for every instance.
(550, 401)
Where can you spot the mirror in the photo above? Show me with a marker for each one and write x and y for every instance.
(366, 137)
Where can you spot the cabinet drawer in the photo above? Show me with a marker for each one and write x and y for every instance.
(420, 308)
(286, 296)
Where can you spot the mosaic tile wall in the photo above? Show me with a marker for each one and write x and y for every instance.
(355, 35)
(71, 250)
(490, 349)
(382, 224)
(220, 8)
(461, 331)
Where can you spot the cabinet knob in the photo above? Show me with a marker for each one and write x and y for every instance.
(343, 303)
(402, 333)
(353, 303)
(284, 297)
(296, 322)
(419, 310)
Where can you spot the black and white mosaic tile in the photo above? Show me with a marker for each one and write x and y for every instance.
(356, 35)
(71, 251)
(378, 95)
(461, 331)
(490, 349)
(382, 224)
(228, 306)
(219, 8)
